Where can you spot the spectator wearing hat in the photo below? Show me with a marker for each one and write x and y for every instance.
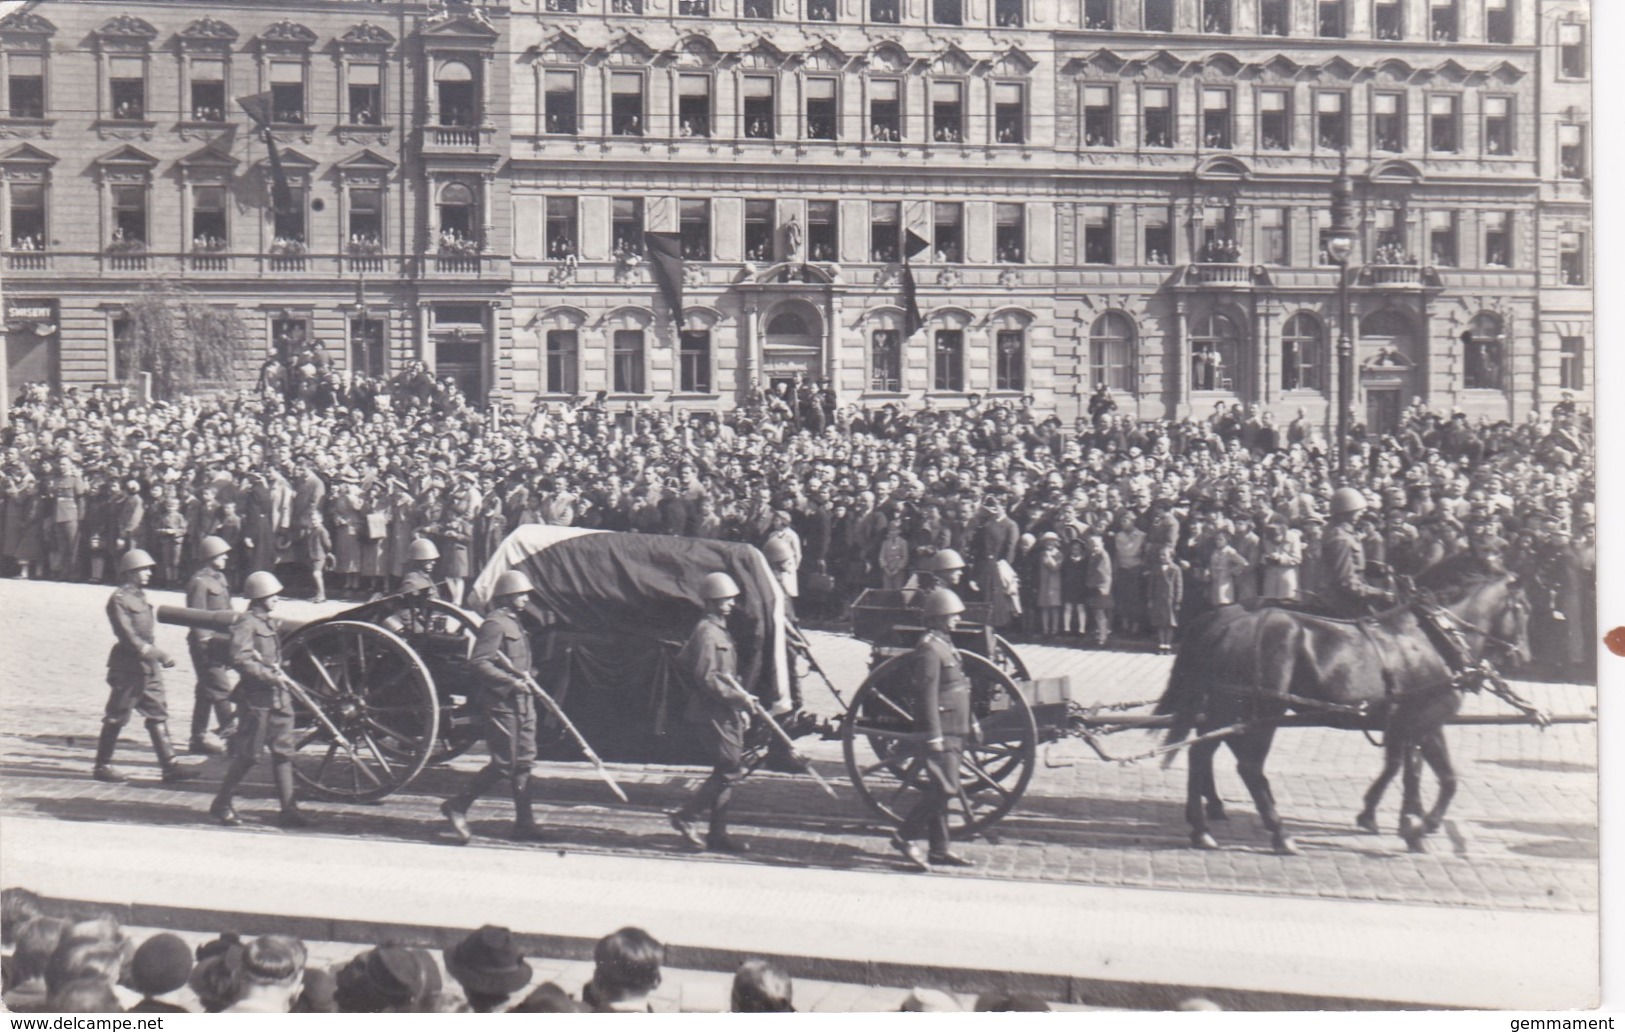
(549, 998)
(161, 965)
(761, 987)
(386, 979)
(923, 1000)
(217, 976)
(1281, 553)
(626, 969)
(272, 971)
(489, 967)
(893, 558)
(1225, 568)
(349, 523)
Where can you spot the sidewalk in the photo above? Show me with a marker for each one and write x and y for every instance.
(1073, 943)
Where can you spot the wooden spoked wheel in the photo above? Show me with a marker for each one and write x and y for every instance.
(1007, 659)
(886, 759)
(443, 637)
(378, 701)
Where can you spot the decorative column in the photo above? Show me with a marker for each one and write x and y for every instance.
(749, 363)
(423, 333)
(487, 187)
(1182, 360)
(1262, 352)
(485, 89)
(832, 345)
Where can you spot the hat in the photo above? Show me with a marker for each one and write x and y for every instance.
(488, 961)
(380, 979)
(161, 965)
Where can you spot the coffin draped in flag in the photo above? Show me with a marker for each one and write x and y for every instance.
(610, 611)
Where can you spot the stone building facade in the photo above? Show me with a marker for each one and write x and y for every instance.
(1133, 192)
(129, 162)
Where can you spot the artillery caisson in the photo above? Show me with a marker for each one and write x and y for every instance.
(386, 676)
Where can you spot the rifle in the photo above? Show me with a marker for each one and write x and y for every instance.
(756, 707)
(297, 690)
(564, 721)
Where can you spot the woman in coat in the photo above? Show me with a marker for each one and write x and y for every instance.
(349, 515)
(1281, 553)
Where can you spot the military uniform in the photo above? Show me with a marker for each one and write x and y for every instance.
(135, 677)
(418, 581)
(508, 714)
(1343, 583)
(941, 697)
(264, 708)
(211, 659)
(711, 660)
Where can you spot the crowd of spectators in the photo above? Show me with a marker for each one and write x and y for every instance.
(1129, 525)
(60, 959)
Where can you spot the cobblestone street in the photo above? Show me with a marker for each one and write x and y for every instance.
(1522, 833)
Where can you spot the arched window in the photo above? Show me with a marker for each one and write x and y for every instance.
(1215, 353)
(457, 94)
(886, 361)
(788, 323)
(459, 220)
(1482, 344)
(1302, 345)
(1111, 352)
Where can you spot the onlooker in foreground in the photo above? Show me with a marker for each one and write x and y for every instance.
(162, 965)
(37, 940)
(761, 987)
(273, 969)
(489, 967)
(626, 970)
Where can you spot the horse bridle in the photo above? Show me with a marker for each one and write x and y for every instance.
(1503, 645)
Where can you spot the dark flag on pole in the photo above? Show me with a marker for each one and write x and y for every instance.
(913, 245)
(258, 106)
(281, 195)
(665, 252)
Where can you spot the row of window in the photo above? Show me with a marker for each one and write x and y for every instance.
(459, 224)
(1005, 14)
(459, 230)
(1277, 128)
(1332, 19)
(757, 111)
(694, 374)
(127, 90)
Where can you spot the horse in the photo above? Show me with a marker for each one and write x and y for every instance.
(1244, 667)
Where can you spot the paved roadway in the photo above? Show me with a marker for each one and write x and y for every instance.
(1521, 839)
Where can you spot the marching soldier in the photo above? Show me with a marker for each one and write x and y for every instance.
(718, 705)
(942, 716)
(1342, 557)
(501, 661)
(134, 677)
(421, 556)
(264, 706)
(208, 590)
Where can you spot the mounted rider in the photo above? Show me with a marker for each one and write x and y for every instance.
(1342, 554)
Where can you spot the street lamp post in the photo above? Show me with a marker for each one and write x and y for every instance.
(1340, 246)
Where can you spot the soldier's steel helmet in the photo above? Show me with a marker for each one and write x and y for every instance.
(261, 584)
(718, 585)
(135, 559)
(942, 602)
(778, 549)
(1347, 499)
(512, 582)
(944, 560)
(421, 549)
(212, 547)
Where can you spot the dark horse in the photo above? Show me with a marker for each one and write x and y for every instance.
(1401, 672)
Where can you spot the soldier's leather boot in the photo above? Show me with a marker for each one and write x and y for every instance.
(222, 811)
(291, 816)
(525, 828)
(718, 840)
(105, 745)
(173, 771)
(683, 823)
